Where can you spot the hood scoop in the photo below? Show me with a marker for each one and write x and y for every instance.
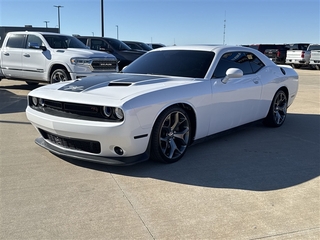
(119, 84)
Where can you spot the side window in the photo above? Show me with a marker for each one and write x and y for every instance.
(33, 40)
(84, 40)
(245, 61)
(98, 44)
(16, 41)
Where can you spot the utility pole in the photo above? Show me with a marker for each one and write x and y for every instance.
(102, 20)
(58, 7)
(46, 23)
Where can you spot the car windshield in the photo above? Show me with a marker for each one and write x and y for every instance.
(118, 45)
(184, 63)
(62, 41)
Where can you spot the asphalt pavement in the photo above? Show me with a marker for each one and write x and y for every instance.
(252, 183)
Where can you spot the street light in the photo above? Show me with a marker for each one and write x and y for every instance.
(117, 31)
(58, 6)
(46, 23)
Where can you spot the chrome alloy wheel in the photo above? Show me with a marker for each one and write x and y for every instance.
(174, 135)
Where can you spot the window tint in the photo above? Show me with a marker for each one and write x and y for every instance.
(63, 41)
(32, 39)
(184, 63)
(16, 41)
(99, 45)
(247, 62)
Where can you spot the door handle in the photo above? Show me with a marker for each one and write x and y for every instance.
(26, 55)
(6, 54)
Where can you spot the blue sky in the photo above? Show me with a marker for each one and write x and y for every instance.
(177, 22)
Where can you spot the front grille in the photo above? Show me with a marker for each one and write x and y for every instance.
(71, 143)
(72, 110)
(104, 65)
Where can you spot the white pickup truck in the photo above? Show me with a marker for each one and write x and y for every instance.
(315, 56)
(296, 55)
(50, 57)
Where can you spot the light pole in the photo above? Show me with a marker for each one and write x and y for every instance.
(46, 23)
(117, 31)
(58, 7)
(102, 20)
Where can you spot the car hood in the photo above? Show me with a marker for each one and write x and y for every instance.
(116, 86)
(85, 53)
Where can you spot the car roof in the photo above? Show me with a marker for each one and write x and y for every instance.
(202, 47)
(42, 33)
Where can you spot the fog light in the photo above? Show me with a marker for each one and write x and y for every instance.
(118, 150)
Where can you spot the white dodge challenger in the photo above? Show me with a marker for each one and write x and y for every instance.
(161, 103)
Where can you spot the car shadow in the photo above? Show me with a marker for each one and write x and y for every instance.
(12, 103)
(252, 157)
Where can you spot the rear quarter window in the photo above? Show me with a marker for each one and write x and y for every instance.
(16, 41)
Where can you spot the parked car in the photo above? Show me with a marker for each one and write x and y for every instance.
(277, 54)
(161, 103)
(119, 49)
(296, 55)
(50, 57)
(141, 46)
(314, 56)
(156, 45)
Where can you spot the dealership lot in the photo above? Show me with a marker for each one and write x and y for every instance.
(252, 183)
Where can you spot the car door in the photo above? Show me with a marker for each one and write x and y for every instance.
(33, 59)
(237, 101)
(11, 56)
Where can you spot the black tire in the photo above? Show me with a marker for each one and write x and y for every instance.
(32, 83)
(297, 66)
(278, 110)
(59, 75)
(171, 135)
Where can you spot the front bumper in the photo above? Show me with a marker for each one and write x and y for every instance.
(91, 140)
(115, 161)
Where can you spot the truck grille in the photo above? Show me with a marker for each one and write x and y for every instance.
(71, 143)
(104, 65)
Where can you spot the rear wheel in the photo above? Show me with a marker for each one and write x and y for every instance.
(278, 110)
(59, 75)
(171, 135)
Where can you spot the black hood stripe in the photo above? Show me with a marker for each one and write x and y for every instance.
(115, 79)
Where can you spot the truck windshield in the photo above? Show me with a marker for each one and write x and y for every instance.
(61, 41)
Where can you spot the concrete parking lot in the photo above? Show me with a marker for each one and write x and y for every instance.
(252, 183)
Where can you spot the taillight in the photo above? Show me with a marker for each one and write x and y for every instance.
(278, 53)
(302, 54)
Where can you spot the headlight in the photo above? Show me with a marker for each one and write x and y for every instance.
(34, 101)
(119, 113)
(81, 61)
(107, 111)
(112, 113)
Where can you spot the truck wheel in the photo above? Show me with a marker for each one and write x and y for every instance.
(59, 75)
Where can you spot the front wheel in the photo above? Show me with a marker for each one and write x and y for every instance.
(59, 75)
(278, 110)
(170, 135)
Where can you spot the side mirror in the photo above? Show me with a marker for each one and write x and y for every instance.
(232, 73)
(33, 45)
